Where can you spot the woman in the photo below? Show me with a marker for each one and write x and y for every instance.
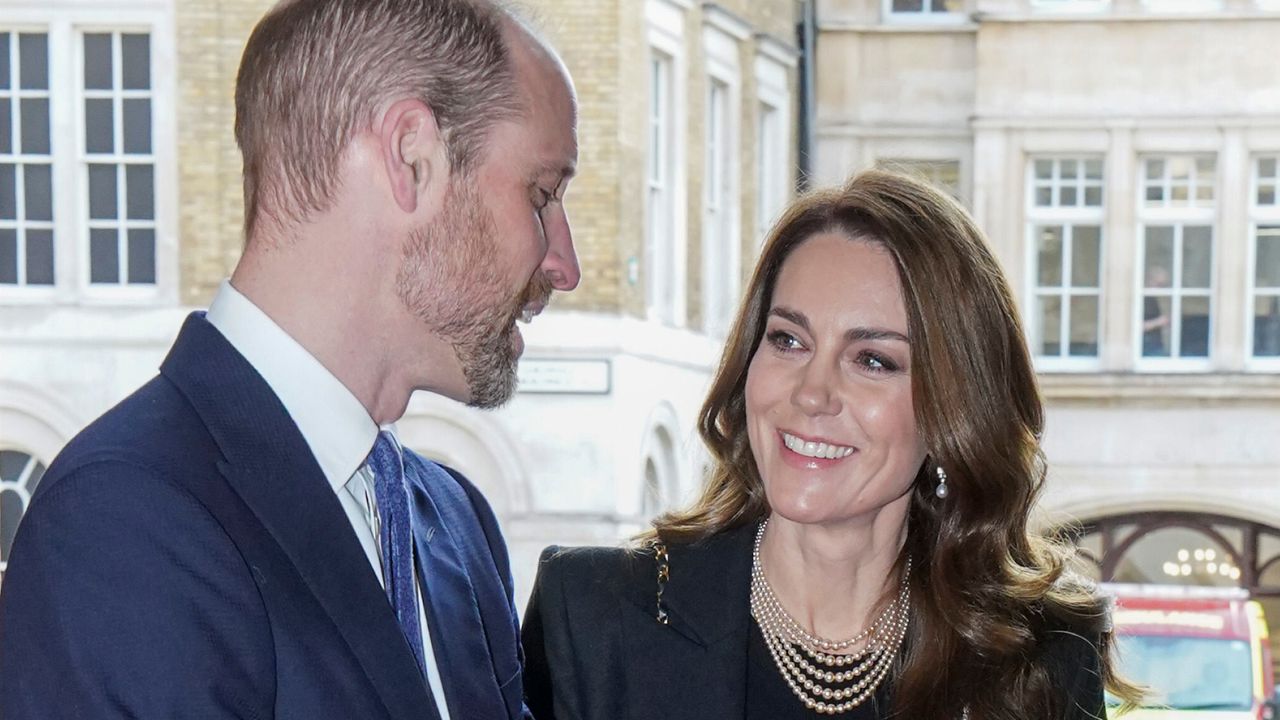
(862, 546)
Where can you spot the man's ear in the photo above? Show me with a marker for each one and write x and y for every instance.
(413, 152)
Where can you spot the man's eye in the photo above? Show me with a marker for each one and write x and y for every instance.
(543, 199)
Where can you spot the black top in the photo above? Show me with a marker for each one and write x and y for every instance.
(770, 698)
(595, 650)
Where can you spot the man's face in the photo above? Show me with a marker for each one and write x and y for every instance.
(501, 243)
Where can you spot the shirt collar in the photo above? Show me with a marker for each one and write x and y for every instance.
(335, 425)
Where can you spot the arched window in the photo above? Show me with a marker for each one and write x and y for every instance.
(19, 475)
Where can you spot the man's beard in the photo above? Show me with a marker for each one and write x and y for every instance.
(451, 279)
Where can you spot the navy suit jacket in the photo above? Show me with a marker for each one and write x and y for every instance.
(185, 557)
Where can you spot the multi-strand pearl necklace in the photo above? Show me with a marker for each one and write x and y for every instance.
(839, 681)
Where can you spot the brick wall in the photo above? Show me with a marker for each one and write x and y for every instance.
(603, 44)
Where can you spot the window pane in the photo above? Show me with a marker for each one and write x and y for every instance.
(1156, 324)
(1155, 194)
(4, 61)
(1093, 196)
(1204, 194)
(6, 125)
(104, 256)
(8, 256)
(99, 126)
(1155, 169)
(33, 61)
(1197, 256)
(102, 192)
(142, 256)
(1266, 326)
(136, 61)
(39, 257)
(1158, 256)
(1195, 327)
(1093, 169)
(908, 5)
(1086, 248)
(11, 509)
(1044, 196)
(139, 192)
(97, 61)
(1084, 326)
(1267, 167)
(38, 191)
(1050, 314)
(1070, 170)
(1178, 195)
(35, 125)
(1069, 196)
(1049, 239)
(1206, 169)
(8, 192)
(137, 126)
(1180, 169)
(1044, 169)
(1266, 194)
(1267, 270)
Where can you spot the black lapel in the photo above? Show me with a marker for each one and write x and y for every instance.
(270, 466)
(695, 667)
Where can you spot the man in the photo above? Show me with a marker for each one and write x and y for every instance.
(239, 538)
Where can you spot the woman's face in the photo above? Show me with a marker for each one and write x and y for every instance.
(828, 395)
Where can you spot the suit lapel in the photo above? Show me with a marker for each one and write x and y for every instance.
(270, 466)
(696, 666)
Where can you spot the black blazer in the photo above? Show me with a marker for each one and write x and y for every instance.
(594, 649)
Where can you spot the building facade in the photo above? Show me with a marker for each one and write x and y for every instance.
(1122, 155)
(121, 211)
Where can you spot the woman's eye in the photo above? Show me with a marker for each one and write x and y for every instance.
(784, 341)
(876, 362)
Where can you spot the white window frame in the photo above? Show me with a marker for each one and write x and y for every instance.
(924, 17)
(721, 241)
(1179, 218)
(775, 176)
(666, 247)
(19, 484)
(65, 22)
(1069, 216)
(1259, 215)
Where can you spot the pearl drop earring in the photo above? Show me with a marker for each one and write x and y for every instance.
(942, 491)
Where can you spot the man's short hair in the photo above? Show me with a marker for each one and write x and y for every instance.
(315, 72)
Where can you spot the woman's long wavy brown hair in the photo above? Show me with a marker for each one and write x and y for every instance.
(985, 589)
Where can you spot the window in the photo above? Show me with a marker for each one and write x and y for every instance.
(1265, 297)
(26, 162)
(662, 282)
(78, 207)
(774, 174)
(1065, 249)
(119, 164)
(1176, 220)
(942, 174)
(937, 10)
(719, 241)
(20, 473)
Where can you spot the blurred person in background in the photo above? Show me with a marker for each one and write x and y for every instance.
(862, 547)
(244, 536)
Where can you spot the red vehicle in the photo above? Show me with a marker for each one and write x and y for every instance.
(1203, 652)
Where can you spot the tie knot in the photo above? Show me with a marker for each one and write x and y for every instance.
(385, 459)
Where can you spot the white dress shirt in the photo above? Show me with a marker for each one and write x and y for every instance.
(334, 424)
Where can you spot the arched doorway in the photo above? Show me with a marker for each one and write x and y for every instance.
(1181, 548)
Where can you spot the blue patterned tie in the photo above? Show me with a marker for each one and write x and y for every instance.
(396, 538)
